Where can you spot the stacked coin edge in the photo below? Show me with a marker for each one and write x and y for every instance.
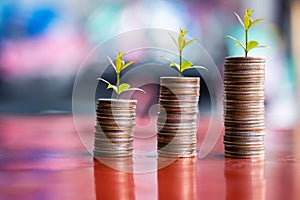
(244, 108)
(177, 117)
(114, 129)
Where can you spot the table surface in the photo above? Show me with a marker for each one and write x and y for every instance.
(42, 157)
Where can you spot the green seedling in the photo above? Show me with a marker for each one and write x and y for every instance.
(247, 24)
(181, 43)
(120, 65)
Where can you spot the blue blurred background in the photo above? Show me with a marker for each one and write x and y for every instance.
(43, 43)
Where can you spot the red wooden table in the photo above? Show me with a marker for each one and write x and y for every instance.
(41, 157)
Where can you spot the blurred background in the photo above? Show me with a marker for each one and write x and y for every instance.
(43, 43)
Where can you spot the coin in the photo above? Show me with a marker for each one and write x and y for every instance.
(182, 154)
(115, 122)
(177, 116)
(112, 154)
(256, 156)
(244, 107)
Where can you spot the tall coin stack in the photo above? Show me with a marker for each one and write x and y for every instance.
(115, 127)
(177, 116)
(244, 107)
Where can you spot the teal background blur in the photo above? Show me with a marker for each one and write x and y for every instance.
(43, 43)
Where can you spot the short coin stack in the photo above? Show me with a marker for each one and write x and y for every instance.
(115, 127)
(177, 116)
(244, 107)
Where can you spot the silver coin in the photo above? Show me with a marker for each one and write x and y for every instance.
(107, 129)
(245, 153)
(177, 116)
(230, 75)
(239, 101)
(175, 133)
(245, 128)
(176, 127)
(102, 135)
(244, 118)
(171, 146)
(247, 136)
(113, 147)
(176, 141)
(236, 97)
(115, 154)
(259, 156)
(245, 147)
(244, 123)
(243, 142)
(185, 154)
(234, 133)
(116, 138)
(244, 110)
(181, 99)
(179, 80)
(244, 72)
(111, 130)
(101, 111)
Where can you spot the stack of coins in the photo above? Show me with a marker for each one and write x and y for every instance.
(244, 107)
(115, 127)
(177, 116)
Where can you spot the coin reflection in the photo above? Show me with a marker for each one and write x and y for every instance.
(113, 184)
(178, 180)
(245, 179)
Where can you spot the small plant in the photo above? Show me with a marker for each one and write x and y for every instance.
(247, 24)
(120, 65)
(181, 44)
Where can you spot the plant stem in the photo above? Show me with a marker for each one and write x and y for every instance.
(118, 84)
(246, 43)
(180, 62)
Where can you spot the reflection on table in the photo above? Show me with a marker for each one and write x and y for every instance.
(41, 157)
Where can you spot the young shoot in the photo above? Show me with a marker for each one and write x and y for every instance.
(181, 43)
(247, 24)
(118, 66)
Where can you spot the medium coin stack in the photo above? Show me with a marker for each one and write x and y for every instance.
(177, 116)
(244, 107)
(115, 127)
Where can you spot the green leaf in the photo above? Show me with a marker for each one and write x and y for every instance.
(239, 18)
(119, 62)
(111, 62)
(105, 81)
(247, 19)
(256, 21)
(136, 89)
(126, 65)
(249, 12)
(185, 65)
(200, 67)
(123, 87)
(115, 88)
(173, 40)
(173, 64)
(109, 85)
(190, 42)
(238, 43)
(251, 45)
(183, 31)
(247, 23)
(181, 40)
